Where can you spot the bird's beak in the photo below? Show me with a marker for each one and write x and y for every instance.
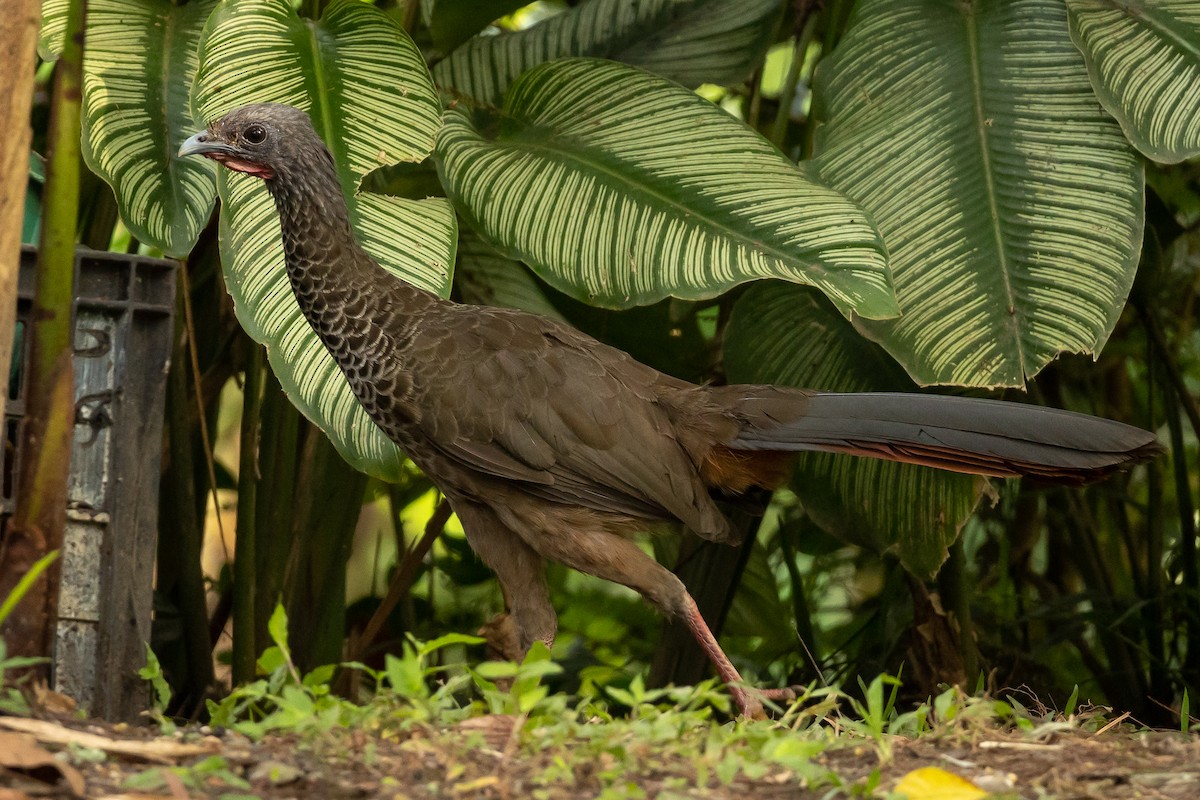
(204, 143)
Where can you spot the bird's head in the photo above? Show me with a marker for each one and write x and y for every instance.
(263, 140)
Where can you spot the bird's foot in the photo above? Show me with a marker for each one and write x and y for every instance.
(749, 699)
(785, 695)
(748, 706)
(503, 639)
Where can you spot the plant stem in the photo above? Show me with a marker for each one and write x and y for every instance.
(403, 579)
(329, 499)
(245, 645)
(411, 9)
(179, 569)
(953, 583)
(787, 97)
(276, 507)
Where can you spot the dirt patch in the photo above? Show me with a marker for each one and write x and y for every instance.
(495, 757)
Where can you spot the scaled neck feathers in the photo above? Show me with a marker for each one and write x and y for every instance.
(318, 242)
(344, 294)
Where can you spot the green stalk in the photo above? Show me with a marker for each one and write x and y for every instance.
(245, 646)
(179, 570)
(1189, 579)
(954, 586)
(329, 499)
(801, 611)
(788, 96)
(41, 500)
(1177, 397)
(278, 456)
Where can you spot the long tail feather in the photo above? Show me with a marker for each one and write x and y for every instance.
(962, 434)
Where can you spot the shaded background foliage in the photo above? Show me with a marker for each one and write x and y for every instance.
(992, 168)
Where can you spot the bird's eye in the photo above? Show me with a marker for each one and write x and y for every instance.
(255, 134)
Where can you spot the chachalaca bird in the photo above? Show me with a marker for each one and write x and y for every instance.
(550, 445)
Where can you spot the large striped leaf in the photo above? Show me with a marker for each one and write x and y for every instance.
(485, 277)
(689, 41)
(1010, 202)
(621, 189)
(367, 89)
(787, 335)
(139, 61)
(1144, 59)
(53, 28)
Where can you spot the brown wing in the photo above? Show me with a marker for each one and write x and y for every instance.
(521, 397)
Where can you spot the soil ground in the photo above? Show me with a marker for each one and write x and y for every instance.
(493, 757)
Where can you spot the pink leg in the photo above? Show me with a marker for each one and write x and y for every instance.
(748, 705)
(615, 558)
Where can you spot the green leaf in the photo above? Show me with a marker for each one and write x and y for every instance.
(618, 212)
(496, 670)
(1010, 202)
(485, 277)
(319, 678)
(277, 627)
(758, 611)
(153, 673)
(1144, 61)
(406, 674)
(447, 640)
(452, 22)
(688, 41)
(272, 659)
(139, 61)
(787, 335)
(25, 583)
(366, 87)
(53, 28)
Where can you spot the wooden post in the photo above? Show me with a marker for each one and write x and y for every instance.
(36, 527)
(18, 54)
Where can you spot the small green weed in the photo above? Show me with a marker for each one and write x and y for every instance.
(12, 700)
(153, 673)
(619, 730)
(210, 774)
(285, 700)
(526, 691)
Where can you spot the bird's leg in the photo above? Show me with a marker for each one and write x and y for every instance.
(613, 557)
(748, 706)
(521, 573)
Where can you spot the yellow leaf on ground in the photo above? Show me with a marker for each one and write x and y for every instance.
(932, 783)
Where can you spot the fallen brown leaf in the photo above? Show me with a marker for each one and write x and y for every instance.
(49, 700)
(159, 751)
(21, 753)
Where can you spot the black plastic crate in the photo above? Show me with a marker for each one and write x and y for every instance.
(123, 334)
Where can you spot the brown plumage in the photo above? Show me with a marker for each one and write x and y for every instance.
(551, 445)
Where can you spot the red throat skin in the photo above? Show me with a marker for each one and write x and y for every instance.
(236, 164)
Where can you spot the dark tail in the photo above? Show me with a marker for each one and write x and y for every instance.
(961, 434)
